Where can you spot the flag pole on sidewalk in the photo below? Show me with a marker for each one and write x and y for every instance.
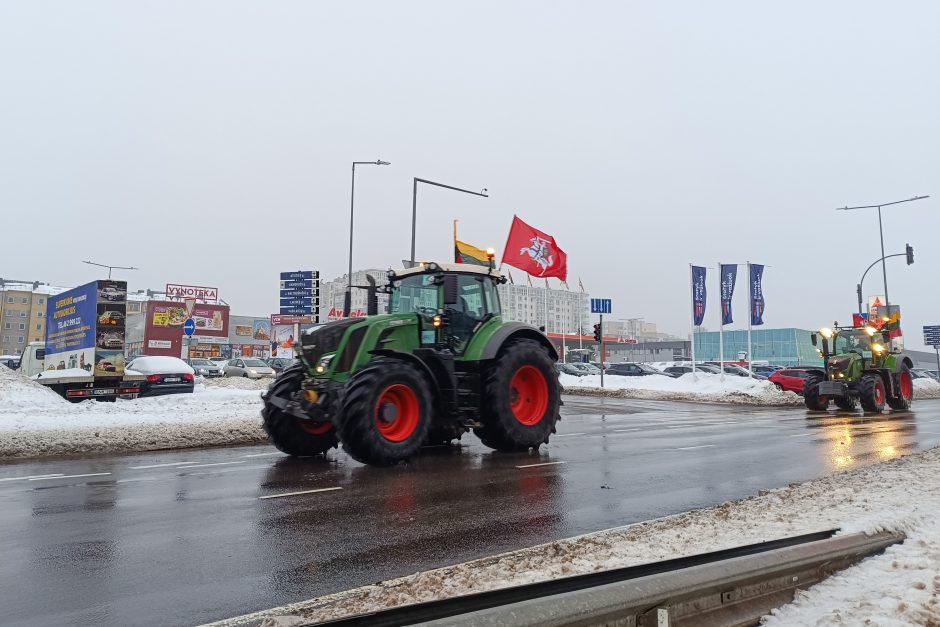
(721, 326)
(692, 284)
(750, 315)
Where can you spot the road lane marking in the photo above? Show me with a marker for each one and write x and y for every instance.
(692, 448)
(277, 496)
(542, 464)
(161, 465)
(800, 435)
(91, 474)
(627, 430)
(566, 435)
(31, 477)
(215, 464)
(263, 454)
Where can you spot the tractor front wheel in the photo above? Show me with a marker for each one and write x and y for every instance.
(288, 433)
(811, 396)
(905, 390)
(871, 388)
(386, 412)
(522, 398)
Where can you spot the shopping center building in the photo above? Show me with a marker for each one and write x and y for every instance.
(780, 347)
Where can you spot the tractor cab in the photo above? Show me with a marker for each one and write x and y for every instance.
(453, 301)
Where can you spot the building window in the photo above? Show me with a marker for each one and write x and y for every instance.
(41, 301)
(6, 325)
(24, 313)
(6, 338)
(24, 300)
(22, 327)
(39, 314)
(39, 326)
(8, 312)
(10, 299)
(20, 339)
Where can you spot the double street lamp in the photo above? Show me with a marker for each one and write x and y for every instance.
(884, 268)
(352, 204)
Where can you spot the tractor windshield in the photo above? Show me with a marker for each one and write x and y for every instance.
(854, 340)
(415, 294)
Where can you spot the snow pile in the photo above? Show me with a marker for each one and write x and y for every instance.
(237, 383)
(701, 386)
(899, 587)
(926, 388)
(36, 421)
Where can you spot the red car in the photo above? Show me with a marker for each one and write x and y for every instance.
(789, 380)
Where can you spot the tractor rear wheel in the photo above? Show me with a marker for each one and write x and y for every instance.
(386, 412)
(288, 433)
(871, 388)
(811, 396)
(521, 396)
(905, 390)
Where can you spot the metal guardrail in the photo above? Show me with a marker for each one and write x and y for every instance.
(731, 587)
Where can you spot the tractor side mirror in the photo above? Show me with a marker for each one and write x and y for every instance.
(451, 293)
(812, 338)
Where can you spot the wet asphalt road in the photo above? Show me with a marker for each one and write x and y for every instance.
(186, 537)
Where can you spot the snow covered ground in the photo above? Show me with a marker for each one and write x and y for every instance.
(899, 587)
(35, 421)
(703, 387)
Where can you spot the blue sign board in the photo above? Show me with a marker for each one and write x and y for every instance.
(70, 322)
(189, 327)
(296, 311)
(932, 336)
(307, 275)
(600, 306)
(296, 302)
(297, 284)
(299, 293)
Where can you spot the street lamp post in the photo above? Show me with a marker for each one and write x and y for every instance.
(884, 267)
(102, 265)
(352, 204)
(414, 205)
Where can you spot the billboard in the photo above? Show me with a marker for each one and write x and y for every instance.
(85, 329)
(283, 342)
(174, 290)
(261, 330)
(163, 325)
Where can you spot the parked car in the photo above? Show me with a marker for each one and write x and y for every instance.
(678, 371)
(221, 363)
(165, 375)
(789, 380)
(766, 370)
(569, 369)
(247, 367)
(585, 367)
(205, 367)
(630, 369)
(278, 364)
(738, 371)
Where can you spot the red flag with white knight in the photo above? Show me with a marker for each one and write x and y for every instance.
(535, 252)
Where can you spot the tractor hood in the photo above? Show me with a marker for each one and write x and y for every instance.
(840, 362)
(317, 342)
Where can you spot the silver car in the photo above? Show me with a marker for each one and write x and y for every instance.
(205, 367)
(247, 367)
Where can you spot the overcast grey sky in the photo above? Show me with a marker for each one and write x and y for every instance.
(210, 143)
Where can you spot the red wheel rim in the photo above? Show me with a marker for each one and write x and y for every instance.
(397, 412)
(528, 395)
(907, 385)
(315, 428)
(879, 392)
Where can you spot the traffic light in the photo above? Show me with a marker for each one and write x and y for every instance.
(597, 332)
(910, 253)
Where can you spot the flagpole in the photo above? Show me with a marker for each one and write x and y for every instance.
(750, 314)
(692, 279)
(721, 325)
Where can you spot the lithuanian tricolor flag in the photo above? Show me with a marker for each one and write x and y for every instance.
(465, 253)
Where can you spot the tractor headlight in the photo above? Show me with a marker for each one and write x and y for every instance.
(324, 363)
(826, 332)
(878, 348)
(870, 330)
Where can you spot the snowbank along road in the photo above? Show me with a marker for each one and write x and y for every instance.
(193, 536)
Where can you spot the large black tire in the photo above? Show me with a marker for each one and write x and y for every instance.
(290, 434)
(847, 403)
(811, 397)
(386, 412)
(521, 398)
(905, 386)
(871, 389)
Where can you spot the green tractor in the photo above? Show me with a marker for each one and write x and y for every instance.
(440, 363)
(858, 367)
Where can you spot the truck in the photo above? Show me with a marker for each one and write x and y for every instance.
(82, 356)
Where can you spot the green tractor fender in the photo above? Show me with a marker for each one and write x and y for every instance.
(512, 331)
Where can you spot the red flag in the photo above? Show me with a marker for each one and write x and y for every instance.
(535, 252)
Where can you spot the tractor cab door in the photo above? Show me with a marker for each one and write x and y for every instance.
(469, 301)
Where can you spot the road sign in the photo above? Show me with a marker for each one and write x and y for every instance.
(189, 327)
(299, 293)
(277, 319)
(296, 302)
(297, 310)
(600, 305)
(932, 336)
(298, 284)
(307, 275)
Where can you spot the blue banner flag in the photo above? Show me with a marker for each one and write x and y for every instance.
(698, 295)
(729, 273)
(757, 294)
